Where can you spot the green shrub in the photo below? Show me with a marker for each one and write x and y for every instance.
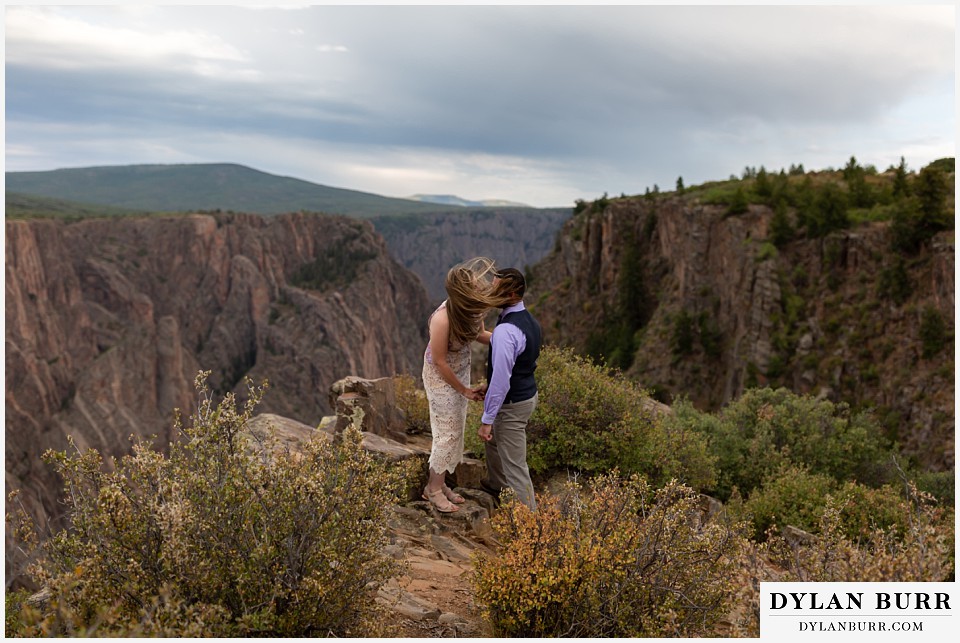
(766, 251)
(925, 212)
(765, 429)
(922, 552)
(229, 535)
(794, 496)
(791, 496)
(829, 211)
(865, 510)
(621, 560)
(602, 203)
(592, 421)
(939, 484)
(14, 604)
(781, 229)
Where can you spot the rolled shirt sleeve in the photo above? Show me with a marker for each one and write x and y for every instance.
(506, 343)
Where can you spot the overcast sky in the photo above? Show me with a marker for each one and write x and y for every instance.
(537, 104)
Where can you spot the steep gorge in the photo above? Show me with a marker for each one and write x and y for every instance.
(428, 244)
(692, 302)
(109, 321)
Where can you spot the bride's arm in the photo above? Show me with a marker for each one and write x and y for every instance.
(484, 336)
(439, 340)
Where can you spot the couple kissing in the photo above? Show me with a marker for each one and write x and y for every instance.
(509, 397)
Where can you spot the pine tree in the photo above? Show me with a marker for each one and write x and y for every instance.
(861, 196)
(931, 189)
(781, 231)
(901, 188)
(762, 185)
(830, 213)
(739, 203)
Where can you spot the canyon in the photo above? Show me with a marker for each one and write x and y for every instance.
(109, 321)
(428, 244)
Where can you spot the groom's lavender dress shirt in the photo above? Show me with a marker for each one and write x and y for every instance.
(506, 343)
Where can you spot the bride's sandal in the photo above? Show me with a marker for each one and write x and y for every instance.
(439, 500)
(452, 495)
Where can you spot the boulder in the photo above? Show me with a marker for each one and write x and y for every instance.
(469, 473)
(378, 401)
(288, 433)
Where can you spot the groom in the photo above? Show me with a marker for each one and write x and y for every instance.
(511, 394)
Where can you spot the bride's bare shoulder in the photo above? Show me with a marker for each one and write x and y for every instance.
(440, 315)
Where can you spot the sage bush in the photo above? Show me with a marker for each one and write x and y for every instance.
(592, 421)
(229, 535)
(920, 548)
(796, 497)
(615, 559)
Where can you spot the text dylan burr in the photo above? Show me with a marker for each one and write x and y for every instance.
(855, 601)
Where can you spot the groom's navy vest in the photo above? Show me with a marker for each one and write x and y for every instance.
(523, 386)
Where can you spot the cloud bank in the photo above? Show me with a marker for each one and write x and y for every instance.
(539, 104)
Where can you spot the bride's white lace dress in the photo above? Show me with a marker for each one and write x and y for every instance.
(448, 409)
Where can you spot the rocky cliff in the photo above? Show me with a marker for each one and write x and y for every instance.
(109, 321)
(693, 302)
(430, 244)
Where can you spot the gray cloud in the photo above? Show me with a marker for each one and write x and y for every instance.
(598, 97)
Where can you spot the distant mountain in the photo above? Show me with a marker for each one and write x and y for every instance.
(450, 199)
(218, 186)
(425, 237)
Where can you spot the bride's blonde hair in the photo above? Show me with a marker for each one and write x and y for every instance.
(469, 295)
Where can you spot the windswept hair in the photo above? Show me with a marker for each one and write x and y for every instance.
(509, 281)
(469, 296)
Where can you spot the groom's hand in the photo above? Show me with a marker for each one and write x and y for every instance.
(485, 432)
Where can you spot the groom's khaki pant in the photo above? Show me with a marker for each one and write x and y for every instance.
(506, 453)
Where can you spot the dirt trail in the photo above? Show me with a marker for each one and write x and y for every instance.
(433, 595)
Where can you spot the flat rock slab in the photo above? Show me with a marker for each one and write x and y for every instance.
(436, 567)
(407, 604)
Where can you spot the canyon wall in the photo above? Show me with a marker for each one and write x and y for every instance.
(430, 244)
(693, 302)
(108, 322)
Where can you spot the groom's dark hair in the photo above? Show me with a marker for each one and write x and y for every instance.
(511, 280)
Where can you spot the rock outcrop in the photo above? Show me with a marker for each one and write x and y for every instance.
(430, 244)
(109, 321)
(707, 307)
(376, 401)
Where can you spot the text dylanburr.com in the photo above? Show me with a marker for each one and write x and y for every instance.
(858, 611)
